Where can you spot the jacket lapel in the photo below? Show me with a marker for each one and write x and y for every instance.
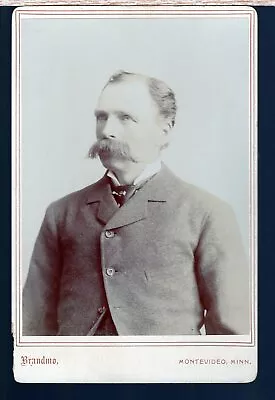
(108, 206)
(135, 209)
(101, 193)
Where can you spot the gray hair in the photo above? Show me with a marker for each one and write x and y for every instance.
(161, 93)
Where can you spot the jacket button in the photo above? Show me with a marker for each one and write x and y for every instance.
(110, 271)
(101, 310)
(109, 234)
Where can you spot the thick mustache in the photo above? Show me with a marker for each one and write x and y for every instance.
(112, 146)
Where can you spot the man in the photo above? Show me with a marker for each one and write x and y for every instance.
(139, 252)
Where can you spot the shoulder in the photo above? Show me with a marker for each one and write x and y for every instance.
(206, 212)
(194, 197)
(202, 198)
(76, 198)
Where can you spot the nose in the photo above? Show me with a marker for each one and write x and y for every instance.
(110, 129)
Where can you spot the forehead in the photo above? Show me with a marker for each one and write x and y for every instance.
(131, 95)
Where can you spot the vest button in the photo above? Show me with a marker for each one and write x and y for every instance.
(109, 234)
(110, 271)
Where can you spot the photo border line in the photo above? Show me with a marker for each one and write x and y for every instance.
(17, 178)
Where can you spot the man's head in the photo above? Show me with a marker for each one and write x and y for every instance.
(134, 116)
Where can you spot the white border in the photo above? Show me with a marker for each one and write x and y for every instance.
(167, 342)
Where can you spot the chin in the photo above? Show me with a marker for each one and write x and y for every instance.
(110, 162)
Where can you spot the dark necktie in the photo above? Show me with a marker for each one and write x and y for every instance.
(122, 193)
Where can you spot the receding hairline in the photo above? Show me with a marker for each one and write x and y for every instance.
(128, 76)
(144, 80)
(137, 87)
(159, 91)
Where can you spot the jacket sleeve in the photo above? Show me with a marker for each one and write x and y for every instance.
(222, 273)
(40, 294)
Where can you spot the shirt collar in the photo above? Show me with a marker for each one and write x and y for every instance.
(150, 170)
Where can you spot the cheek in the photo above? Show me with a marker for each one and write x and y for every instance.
(145, 146)
(142, 137)
(137, 140)
(150, 138)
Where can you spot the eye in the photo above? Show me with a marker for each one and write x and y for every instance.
(125, 117)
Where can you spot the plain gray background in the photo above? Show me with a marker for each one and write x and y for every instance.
(66, 62)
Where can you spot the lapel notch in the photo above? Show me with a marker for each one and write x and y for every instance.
(101, 193)
(158, 190)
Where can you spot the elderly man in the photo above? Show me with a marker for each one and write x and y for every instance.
(139, 252)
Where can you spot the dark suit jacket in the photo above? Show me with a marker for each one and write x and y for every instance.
(158, 262)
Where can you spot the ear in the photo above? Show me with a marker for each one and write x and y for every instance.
(165, 125)
(166, 134)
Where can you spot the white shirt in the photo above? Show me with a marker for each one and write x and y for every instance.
(149, 170)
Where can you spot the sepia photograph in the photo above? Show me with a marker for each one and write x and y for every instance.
(134, 219)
